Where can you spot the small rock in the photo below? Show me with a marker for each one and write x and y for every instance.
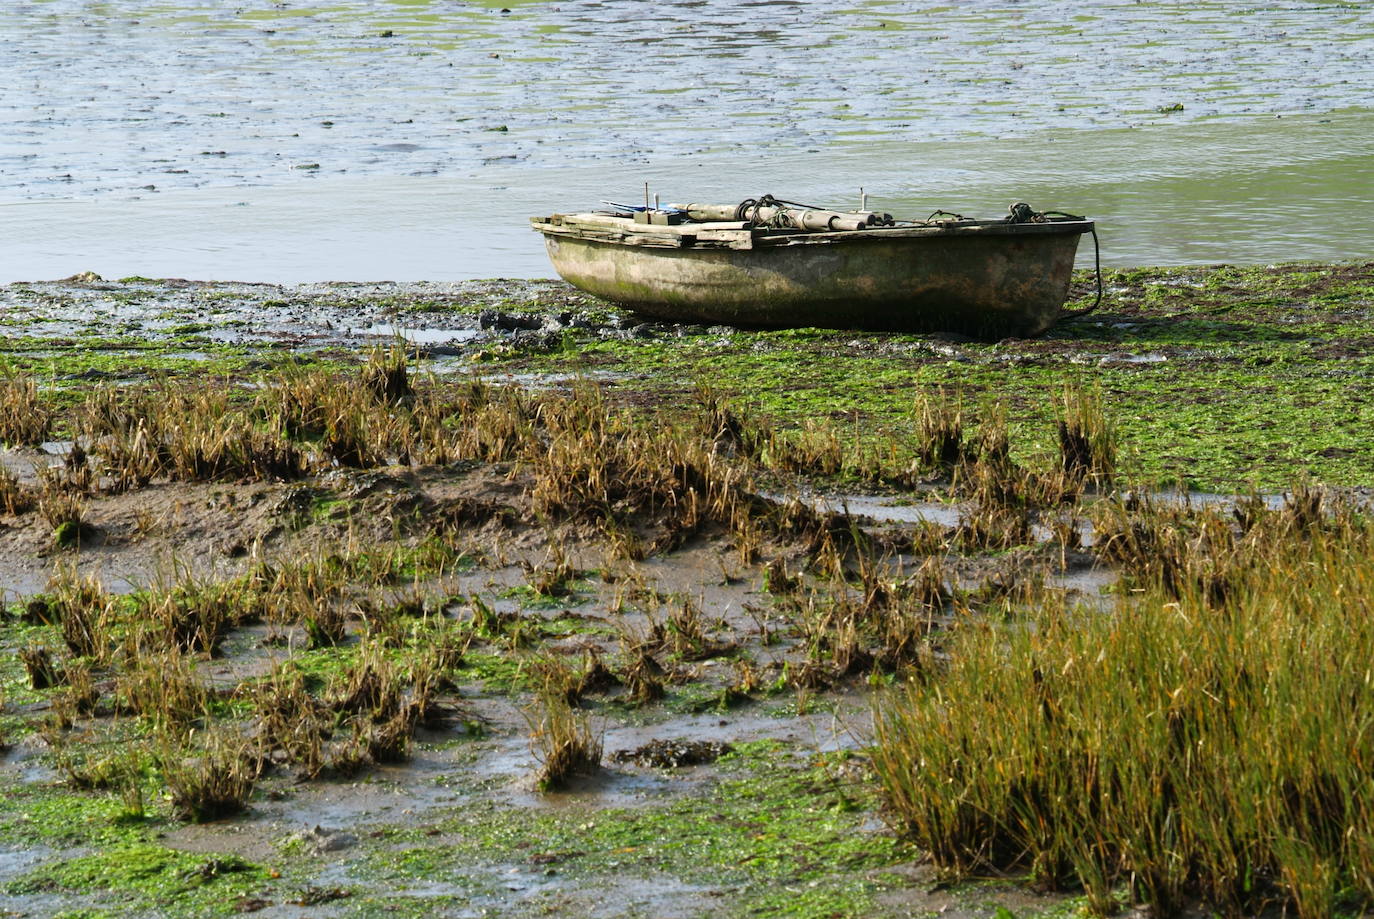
(672, 754)
(323, 839)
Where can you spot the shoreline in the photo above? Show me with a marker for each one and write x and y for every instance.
(1180, 353)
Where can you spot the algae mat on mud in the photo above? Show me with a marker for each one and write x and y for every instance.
(425, 530)
(1218, 378)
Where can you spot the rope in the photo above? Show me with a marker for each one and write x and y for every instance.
(748, 211)
(1097, 266)
(1021, 212)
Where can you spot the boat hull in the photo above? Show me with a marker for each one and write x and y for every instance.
(990, 280)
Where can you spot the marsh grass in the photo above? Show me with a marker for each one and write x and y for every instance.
(878, 625)
(15, 497)
(26, 415)
(1192, 743)
(192, 616)
(83, 611)
(290, 720)
(213, 779)
(42, 671)
(386, 374)
(1087, 439)
(89, 765)
(554, 576)
(685, 633)
(163, 689)
(939, 431)
(62, 504)
(562, 741)
(79, 695)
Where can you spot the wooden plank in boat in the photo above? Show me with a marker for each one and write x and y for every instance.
(627, 225)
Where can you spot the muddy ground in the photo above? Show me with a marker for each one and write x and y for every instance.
(743, 789)
(1217, 378)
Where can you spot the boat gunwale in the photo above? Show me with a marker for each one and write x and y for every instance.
(636, 235)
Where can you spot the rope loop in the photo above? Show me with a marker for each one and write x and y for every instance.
(749, 210)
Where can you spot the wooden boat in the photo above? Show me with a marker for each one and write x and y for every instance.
(781, 265)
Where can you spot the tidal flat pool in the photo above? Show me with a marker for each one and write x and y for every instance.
(410, 139)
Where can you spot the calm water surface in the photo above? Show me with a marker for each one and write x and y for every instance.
(410, 139)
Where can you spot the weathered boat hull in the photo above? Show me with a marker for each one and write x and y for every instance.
(989, 279)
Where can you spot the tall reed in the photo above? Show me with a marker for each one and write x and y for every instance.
(1188, 744)
(26, 415)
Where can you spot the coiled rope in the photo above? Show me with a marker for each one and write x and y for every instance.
(748, 211)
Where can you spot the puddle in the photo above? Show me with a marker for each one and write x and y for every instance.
(419, 336)
(1090, 583)
(879, 508)
(883, 510)
(18, 861)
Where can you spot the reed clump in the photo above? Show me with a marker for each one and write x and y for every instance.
(562, 741)
(386, 375)
(26, 415)
(163, 689)
(15, 497)
(83, 611)
(939, 432)
(43, 672)
(1087, 439)
(879, 625)
(213, 779)
(1192, 744)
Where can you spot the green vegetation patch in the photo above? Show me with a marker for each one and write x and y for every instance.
(782, 834)
(145, 876)
(1220, 378)
(1206, 740)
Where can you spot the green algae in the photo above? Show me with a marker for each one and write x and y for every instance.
(1220, 378)
(782, 833)
(147, 876)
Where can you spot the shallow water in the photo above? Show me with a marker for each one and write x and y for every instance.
(410, 139)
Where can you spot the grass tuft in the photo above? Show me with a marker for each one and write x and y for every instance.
(562, 741)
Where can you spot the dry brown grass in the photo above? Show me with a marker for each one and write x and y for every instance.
(163, 689)
(26, 415)
(83, 610)
(562, 741)
(939, 431)
(42, 671)
(15, 498)
(213, 779)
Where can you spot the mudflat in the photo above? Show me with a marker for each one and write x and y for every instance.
(487, 598)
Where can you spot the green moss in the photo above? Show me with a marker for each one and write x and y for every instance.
(54, 815)
(66, 534)
(530, 598)
(1222, 378)
(782, 834)
(145, 876)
